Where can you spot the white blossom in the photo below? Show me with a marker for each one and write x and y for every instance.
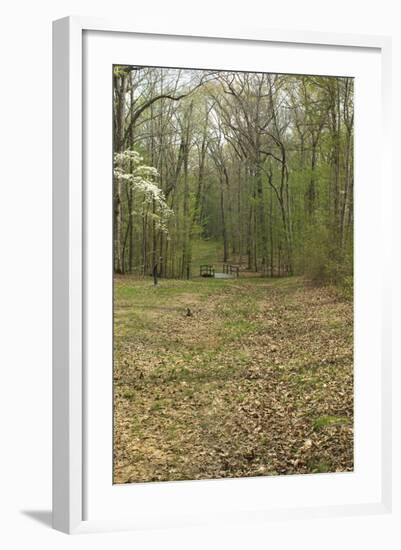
(129, 169)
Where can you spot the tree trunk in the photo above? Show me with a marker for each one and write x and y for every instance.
(120, 83)
(223, 222)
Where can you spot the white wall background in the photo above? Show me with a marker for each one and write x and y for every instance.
(25, 234)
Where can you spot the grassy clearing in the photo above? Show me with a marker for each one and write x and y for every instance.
(258, 381)
(206, 252)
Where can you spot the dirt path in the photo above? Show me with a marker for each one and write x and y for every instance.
(257, 381)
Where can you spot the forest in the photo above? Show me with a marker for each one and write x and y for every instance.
(233, 273)
(262, 162)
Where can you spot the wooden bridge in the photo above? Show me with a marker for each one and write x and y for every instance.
(230, 271)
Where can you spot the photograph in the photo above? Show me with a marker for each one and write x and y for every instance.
(233, 268)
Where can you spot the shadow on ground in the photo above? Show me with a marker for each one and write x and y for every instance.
(41, 516)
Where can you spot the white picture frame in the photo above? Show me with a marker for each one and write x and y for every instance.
(70, 287)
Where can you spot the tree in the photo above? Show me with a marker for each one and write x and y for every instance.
(261, 163)
(139, 179)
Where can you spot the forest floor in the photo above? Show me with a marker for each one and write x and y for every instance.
(258, 381)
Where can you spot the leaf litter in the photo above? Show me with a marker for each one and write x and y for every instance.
(257, 381)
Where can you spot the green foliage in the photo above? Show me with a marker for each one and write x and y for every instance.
(261, 163)
(120, 70)
(325, 261)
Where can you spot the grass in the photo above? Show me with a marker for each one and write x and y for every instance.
(320, 467)
(258, 381)
(324, 421)
(206, 252)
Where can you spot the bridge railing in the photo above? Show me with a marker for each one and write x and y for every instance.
(231, 269)
(206, 270)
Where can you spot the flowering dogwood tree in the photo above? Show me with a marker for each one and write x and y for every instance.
(129, 169)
